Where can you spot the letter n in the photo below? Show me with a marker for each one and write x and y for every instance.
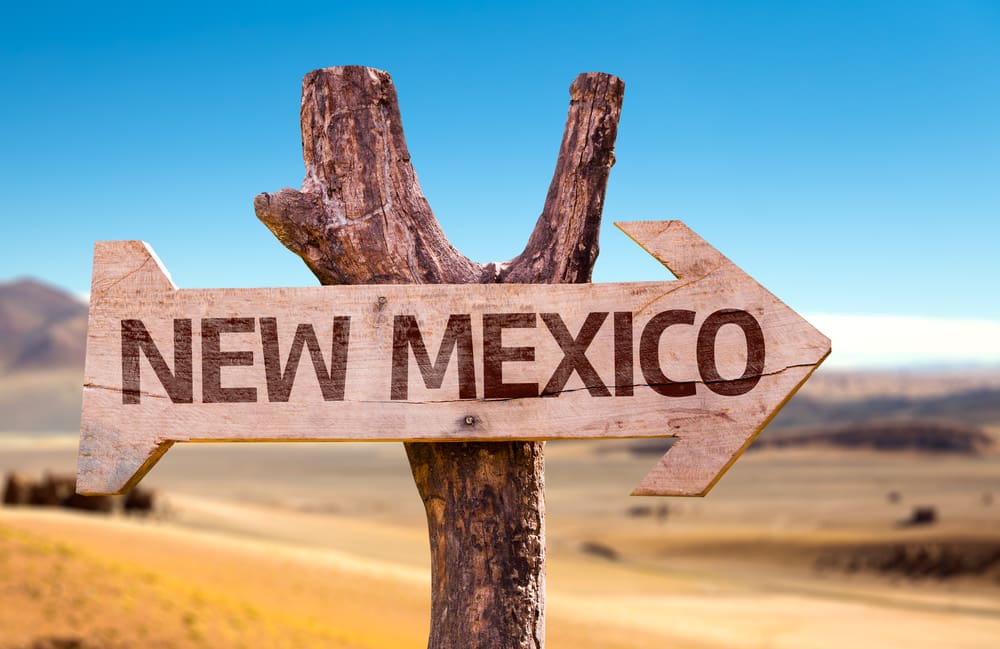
(178, 384)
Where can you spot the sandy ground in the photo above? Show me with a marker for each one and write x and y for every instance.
(303, 546)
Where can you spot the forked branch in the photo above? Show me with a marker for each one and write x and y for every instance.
(361, 218)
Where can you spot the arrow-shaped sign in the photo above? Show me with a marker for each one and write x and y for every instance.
(709, 359)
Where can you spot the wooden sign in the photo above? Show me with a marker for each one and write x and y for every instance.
(709, 359)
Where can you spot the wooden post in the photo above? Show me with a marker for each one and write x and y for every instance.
(361, 218)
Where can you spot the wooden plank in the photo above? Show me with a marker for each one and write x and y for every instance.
(708, 358)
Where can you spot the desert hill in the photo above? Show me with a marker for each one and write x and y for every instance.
(923, 412)
(970, 406)
(43, 335)
(928, 436)
(41, 328)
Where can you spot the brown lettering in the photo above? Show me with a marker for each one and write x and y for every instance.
(331, 383)
(649, 353)
(574, 354)
(495, 355)
(213, 360)
(406, 335)
(624, 373)
(755, 352)
(178, 384)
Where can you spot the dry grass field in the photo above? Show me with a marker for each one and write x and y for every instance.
(324, 545)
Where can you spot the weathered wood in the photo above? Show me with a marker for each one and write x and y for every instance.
(486, 518)
(708, 358)
(361, 218)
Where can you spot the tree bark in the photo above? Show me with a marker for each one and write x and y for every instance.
(361, 218)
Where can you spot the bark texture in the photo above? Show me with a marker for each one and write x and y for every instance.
(486, 517)
(361, 218)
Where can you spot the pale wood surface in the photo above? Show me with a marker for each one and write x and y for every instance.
(120, 441)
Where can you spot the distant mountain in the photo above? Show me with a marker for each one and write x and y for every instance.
(921, 435)
(974, 406)
(41, 328)
(43, 335)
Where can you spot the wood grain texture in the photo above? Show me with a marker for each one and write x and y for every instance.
(469, 563)
(644, 380)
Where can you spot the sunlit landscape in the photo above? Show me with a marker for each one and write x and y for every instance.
(868, 514)
(838, 159)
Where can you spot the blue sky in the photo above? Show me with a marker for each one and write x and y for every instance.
(846, 154)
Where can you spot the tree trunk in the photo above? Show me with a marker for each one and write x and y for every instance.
(361, 218)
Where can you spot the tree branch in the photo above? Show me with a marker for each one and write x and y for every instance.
(361, 218)
(563, 247)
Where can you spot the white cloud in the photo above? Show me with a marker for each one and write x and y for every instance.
(903, 341)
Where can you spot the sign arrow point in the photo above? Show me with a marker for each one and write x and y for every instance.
(794, 349)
